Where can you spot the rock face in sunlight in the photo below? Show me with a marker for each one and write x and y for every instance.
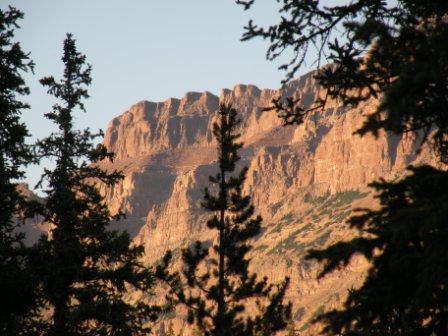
(305, 180)
(33, 228)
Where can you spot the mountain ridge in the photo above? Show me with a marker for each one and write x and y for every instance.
(305, 180)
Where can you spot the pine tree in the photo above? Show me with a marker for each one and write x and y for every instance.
(394, 51)
(391, 50)
(170, 331)
(17, 286)
(291, 329)
(405, 290)
(215, 283)
(86, 267)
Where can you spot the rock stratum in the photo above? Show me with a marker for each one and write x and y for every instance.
(305, 181)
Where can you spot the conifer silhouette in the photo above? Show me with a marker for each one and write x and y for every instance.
(215, 283)
(391, 50)
(86, 268)
(17, 285)
(396, 52)
(404, 292)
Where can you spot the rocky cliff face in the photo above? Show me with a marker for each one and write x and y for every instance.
(33, 228)
(305, 180)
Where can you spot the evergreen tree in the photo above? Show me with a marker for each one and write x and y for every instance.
(170, 331)
(396, 52)
(405, 290)
(17, 287)
(392, 50)
(86, 267)
(215, 284)
(291, 329)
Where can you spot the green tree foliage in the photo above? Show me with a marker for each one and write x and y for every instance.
(291, 329)
(395, 50)
(170, 331)
(215, 283)
(17, 287)
(86, 268)
(405, 291)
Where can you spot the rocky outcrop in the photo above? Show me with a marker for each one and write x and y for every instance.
(305, 180)
(32, 228)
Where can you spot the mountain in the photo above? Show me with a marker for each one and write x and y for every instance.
(33, 228)
(305, 180)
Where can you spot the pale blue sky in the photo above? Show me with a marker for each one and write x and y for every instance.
(142, 50)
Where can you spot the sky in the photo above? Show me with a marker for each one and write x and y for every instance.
(141, 50)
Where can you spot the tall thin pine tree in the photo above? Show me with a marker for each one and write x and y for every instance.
(215, 283)
(86, 267)
(17, 289)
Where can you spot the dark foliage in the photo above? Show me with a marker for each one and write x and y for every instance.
(215, 283)
(86, 268)
(405, 291)
(393, 50)
(17, 286)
